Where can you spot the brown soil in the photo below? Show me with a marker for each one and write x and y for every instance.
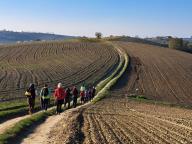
(40, 134)
(157, 73)
(52, 62)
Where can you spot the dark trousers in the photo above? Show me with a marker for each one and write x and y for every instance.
(45, 104)
(31, 102)
(82, 99)
(59, 104)
(74, 101)
(67, 101)
(41, 103)
(92, 96)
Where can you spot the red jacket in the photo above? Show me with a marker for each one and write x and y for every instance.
(59, 93)
(82, 93)
(75, 92)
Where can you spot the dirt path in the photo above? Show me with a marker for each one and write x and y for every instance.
(9, 123)
(40, 134)
(47, 134)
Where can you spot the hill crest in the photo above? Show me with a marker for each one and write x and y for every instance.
(7, 37)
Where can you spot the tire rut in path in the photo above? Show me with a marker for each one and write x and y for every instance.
(9, 123)
(40, 134)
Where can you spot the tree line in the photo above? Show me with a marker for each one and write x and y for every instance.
(179, 44)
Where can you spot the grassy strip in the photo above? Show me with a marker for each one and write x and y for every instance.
(143, 99)
(105, 91)
(8, 114)
(5, 115)
(12, 104)
(139, 97)
(102, 84)
(23, 125)
(13, 107)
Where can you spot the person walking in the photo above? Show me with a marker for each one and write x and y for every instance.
(89, 93)
(82, 95)
(59, 97)
(93, 91)
(31, 94)
(67, 99)
(45, 97)
(86, 96)
(75, 95)
(82, 88)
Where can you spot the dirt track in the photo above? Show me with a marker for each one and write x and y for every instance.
(117, 119)
(9, 123)
(40, 134)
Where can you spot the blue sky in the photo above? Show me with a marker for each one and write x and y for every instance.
(111, 17)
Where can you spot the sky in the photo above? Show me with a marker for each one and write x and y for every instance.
(144, 18)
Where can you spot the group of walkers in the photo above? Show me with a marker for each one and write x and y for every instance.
(61, 96)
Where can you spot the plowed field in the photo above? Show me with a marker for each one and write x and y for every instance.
(53, 62)
(159, 74)
(115, 120)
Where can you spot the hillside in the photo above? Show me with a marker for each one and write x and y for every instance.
(137, 40)
(158, 73)
(13, 37)
(161, 76)
(52, 62)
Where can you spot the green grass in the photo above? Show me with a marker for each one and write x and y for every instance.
(5, 115)
(111, 81)
(102, 84)
(12, 109)
(12, 105)
(141, 98)
(85, 39)
(23, 125)
(16, 108)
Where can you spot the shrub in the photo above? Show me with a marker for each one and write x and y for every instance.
(176, 43)
(98, 35)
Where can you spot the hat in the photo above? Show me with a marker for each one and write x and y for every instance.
(59, 85)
